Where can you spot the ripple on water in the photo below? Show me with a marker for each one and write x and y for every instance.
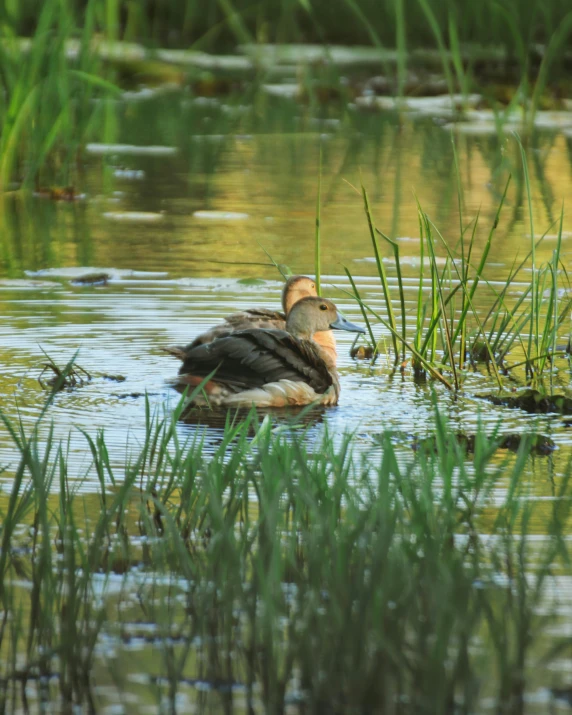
(120, 330)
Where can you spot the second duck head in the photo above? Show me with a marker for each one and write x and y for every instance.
(296, 288)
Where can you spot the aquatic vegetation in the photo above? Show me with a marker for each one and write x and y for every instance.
(71, 375)
(92, 279)
(446, 337)
(508, 28)
(536, 443)
(533, 401)
(48, 109)
(95, 47)
(241, 566)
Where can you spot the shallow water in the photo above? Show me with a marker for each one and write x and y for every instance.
(180, 230)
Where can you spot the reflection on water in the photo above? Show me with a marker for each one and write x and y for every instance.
(268, 172)
(240, 178)
(180, 234)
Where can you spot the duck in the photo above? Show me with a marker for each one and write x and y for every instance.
(295, 288)
(269, 367)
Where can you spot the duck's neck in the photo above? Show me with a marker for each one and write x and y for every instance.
(327, 342)
(324, 339)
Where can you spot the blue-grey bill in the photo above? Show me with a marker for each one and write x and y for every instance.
(341, 323)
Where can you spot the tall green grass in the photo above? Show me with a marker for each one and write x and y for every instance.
(56, 87)
(512, 24)
(279, 561)
(51, 103)
(443, 337)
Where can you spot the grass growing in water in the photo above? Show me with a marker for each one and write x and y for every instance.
(277, 567)
(446, 338)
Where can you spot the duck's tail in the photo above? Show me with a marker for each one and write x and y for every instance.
(175, 350)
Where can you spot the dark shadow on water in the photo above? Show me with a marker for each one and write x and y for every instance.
(217, 418)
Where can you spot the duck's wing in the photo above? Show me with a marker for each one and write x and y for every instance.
(244, 320)
(256, 318)
(252, 358)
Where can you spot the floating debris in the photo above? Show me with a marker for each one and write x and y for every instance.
(538, 443)
(130, 149)
(205, 61)
(208, 137)
(362, 352)
(297, 54)
(73, 272)
(59, 193)
(220, 215)
(91, 279)
(109, 50)
(23, 284)
(134, 216)
(435, 106)
(113, 378)
(63, 378)
(486, 122)
(142, 93)
(130, 174)
(533, 402)
(286, 91)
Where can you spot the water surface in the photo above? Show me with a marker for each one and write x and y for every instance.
(181, 229)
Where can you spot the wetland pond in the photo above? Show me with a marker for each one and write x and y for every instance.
(179, 228)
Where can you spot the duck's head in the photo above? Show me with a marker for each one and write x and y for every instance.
(313, 315)
(296, 288)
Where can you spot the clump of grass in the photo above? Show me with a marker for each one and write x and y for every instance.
(285, 565)
(445, 337)
(69, 376)
(48, 108)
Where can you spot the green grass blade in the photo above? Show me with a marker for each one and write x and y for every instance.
(317, 239)
(381, 271)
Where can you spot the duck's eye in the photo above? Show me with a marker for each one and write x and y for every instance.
(323, 307)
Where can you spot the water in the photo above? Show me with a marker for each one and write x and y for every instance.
(180, 234)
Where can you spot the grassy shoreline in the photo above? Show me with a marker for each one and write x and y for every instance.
(73, 61)
(510, 24)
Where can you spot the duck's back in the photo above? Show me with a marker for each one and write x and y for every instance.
(253, 318)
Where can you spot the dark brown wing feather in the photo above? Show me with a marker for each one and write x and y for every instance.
(245, 320)
(256, 314)
(253, 358)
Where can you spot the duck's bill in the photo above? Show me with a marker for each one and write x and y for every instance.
(341, 323)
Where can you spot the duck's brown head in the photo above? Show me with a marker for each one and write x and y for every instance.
(313, 315)
(296, 288)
